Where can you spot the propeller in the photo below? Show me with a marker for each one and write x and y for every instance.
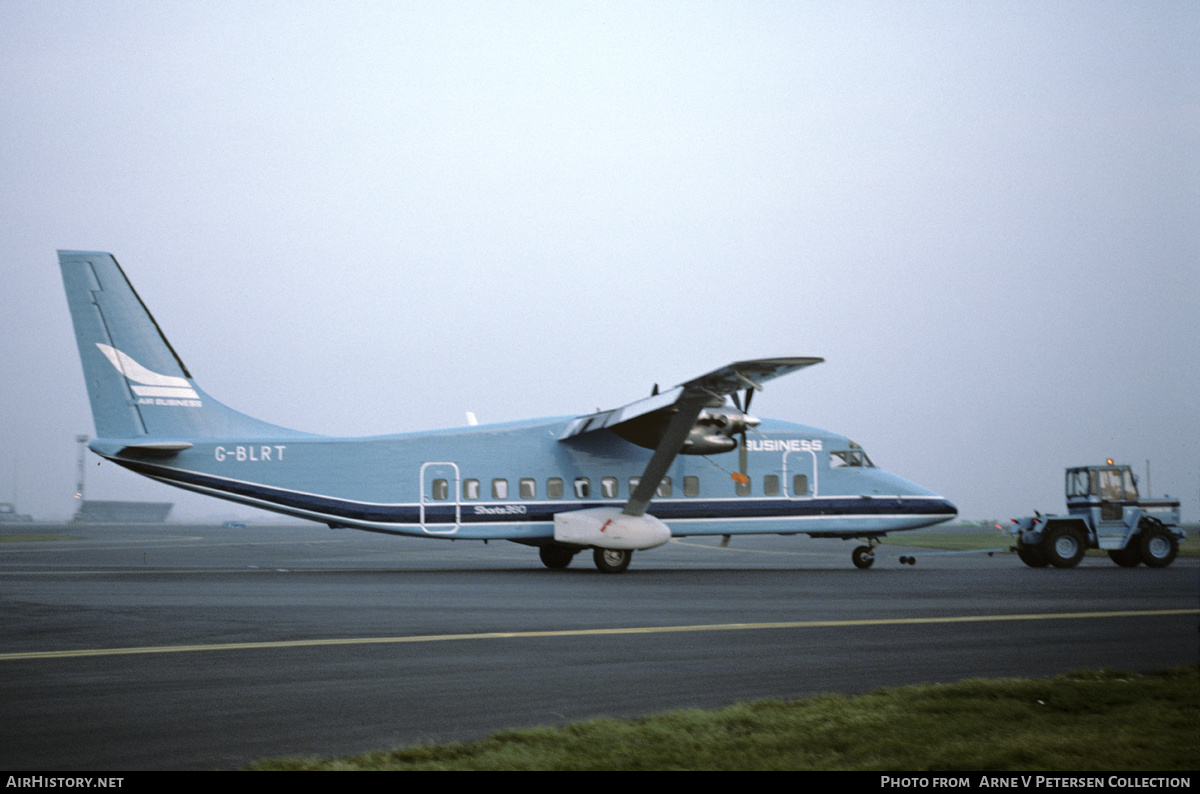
(740, 476)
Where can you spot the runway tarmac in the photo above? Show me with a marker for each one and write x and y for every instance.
(195, 647)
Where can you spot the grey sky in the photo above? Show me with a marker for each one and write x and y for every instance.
(359, 218)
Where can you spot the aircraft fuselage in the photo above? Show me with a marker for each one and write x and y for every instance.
(508, 480)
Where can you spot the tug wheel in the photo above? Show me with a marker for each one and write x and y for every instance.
(1032, 556)
(1159, 546)
(1128, 557)
(1063, 546)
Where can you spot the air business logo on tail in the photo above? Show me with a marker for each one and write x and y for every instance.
(152, 388)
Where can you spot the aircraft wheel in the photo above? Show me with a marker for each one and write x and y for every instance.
(1063, 546)
(1159, 546)
(863, 557)
(1032, 556)
(1128, 557)
(556, 557)
(612, 560)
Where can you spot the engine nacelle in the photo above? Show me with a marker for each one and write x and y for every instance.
(714, 431)
(712, 444)
(609, 528)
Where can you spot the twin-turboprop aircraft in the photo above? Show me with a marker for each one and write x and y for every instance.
(677, 463)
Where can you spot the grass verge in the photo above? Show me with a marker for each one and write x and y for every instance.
(1102, 720)
(7, 538)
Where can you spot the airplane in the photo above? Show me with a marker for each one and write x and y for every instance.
(613, 482)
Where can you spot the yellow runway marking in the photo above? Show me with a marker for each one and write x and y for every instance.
(505, 635)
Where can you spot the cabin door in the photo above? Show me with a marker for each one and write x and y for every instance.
(440, 505)
(800, 474)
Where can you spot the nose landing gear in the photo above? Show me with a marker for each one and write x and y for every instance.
(864, 556)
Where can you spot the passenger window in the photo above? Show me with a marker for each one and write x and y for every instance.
(608, 487)
(583, 487)
(664, 487)
(528, 488)
(499, 489)
(691, 486)
(742, 488)
(554, 488)
(771, 485)
(470, 489)
(440, 489)
(800, 485)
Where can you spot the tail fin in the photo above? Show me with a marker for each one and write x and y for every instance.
(138, 386)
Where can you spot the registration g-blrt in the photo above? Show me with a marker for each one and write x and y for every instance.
(687, 461)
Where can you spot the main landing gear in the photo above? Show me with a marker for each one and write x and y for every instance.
(612, 560)
(555, 557)
(607, 560)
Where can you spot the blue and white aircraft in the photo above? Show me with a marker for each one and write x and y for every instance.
(613, 482)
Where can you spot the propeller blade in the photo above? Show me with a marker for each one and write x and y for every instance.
(740, 476)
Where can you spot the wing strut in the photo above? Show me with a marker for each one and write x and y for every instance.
(662, 422)
(679, 409)
(688, 409)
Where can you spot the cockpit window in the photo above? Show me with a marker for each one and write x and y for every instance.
(854, 457)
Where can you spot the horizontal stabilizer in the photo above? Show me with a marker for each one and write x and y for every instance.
(161, 449)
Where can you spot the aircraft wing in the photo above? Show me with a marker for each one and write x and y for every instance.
(714, 387)
(670, 415)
